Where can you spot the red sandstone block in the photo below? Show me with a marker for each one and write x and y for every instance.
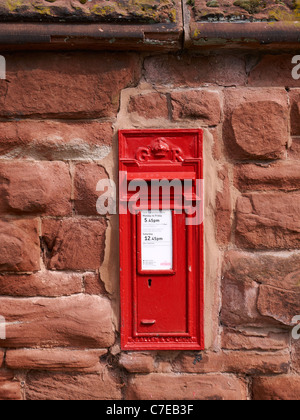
(42, 283)
(54, 360)
(218, 142)
(295, 355)
(149, 105)
(260, 289)
(239, 293)
(273, 70)
(93, 284)
(254, 339)
(239, 303)
(277, 270)
(247, 362)
(220, 70)
(223, 210)
(295, 111)
(80, 321)
(137, 363)
(81, 85)
(272, 388)
(256, 123)
(87, 176)
(268, 221)
(294, 151)
(202, 105)
(279, 304)
(281, 175)
(35, 188)
(54, 140)
(186, 387)
(19, 245)
(10, 388)
(70, 387)
(74, 244)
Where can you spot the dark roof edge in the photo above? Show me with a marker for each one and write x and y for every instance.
(156, 37)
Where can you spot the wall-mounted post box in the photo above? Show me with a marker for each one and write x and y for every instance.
(161, 239)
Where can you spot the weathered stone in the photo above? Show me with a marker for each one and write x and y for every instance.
(10, 388)
(55, 140)
(55, 360)
(295, 111)
(80, 321)
(239, 302)
(254, 339)
(218, 142)
(223, 210)
(282, 175)
(74, 244)
(273, 70)
(73, 85)
(247, 362)
(93, 284)
(72, 387)
(294, 150)
(261, 138)
(137, 362)
(195, 71)
(186, 387)
(35, 188)
(278, 270)
(164, 366)
(19, 245)
(260, 289)
(283, 387)
(42, 283)
(150, 105)
(202, 105)
(279, 304)
(256, 123)
(295, 355)
(268, 221)
(87, 176)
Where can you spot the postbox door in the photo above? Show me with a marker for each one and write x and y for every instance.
(162, 291)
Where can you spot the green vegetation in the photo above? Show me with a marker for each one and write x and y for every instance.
(252, 6)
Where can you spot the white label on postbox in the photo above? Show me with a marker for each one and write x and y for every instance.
(157, 240)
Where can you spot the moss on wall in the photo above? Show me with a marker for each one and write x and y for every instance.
(245, 10)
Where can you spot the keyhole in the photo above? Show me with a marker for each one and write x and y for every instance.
(149, 283)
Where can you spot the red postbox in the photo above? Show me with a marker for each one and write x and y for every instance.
(161, 239)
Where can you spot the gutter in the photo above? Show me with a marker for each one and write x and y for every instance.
(261, 35)
(170, 37)
(167, 37)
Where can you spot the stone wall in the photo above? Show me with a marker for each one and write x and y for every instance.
(59, 286)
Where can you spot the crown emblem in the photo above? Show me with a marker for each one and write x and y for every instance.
(160, 148)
